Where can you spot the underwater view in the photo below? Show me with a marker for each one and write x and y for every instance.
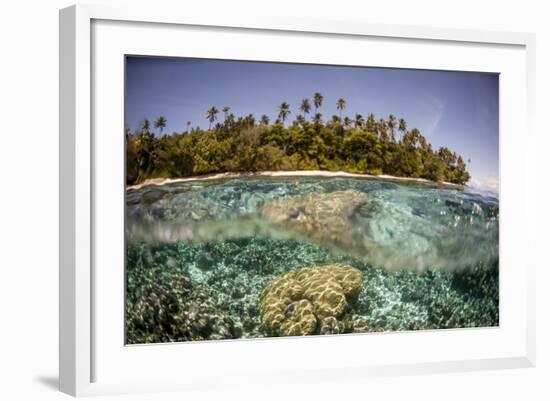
(283, 199)
(255, 257)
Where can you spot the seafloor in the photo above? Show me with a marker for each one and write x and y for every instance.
(199, 287)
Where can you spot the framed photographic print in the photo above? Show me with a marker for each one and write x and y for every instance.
(274, 199)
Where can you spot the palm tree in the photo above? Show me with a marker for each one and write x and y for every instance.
(212, 115)
(371, 122)
(402, 127)
(359, 120)
(284, 111)
(317, 101)
(145, 125)
(264, 119)
(160, 123)
(340, 105)
(305, 107)
(230, 120)
(347, 122)
(318, 119)
(391, 125)
(188, 125)
(249, 120)
(300, 119)
(225, 110)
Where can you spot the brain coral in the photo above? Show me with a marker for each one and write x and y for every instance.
(299, 301)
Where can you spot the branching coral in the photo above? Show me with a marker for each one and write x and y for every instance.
(163, 306)
(310, 300)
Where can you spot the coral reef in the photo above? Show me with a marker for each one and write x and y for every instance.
(230, 276)
(331, 325)
(323, 217)
(405, 300)
(310, 300)
(163, 306)
(210, 286)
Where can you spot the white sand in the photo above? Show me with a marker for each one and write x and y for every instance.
(298, 173)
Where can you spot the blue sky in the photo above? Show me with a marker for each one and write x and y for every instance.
(454, 109)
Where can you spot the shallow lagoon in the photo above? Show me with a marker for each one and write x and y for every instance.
(200, 253)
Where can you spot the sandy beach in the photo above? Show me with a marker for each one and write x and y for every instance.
(296, 173)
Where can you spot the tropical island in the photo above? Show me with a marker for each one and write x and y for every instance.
(233, 144)
(283, 199)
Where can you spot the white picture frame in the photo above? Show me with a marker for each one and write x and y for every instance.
(83, 158)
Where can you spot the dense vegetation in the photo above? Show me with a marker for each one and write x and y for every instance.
(356, 145)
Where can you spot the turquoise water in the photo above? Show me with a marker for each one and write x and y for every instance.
(200, 253)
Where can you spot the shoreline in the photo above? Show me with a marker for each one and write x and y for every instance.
(294, 173)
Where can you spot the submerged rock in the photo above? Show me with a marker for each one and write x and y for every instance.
(310, 300)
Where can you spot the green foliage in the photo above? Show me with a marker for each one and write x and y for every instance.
(242, 144)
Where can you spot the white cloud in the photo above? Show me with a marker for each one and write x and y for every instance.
(487, 185)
